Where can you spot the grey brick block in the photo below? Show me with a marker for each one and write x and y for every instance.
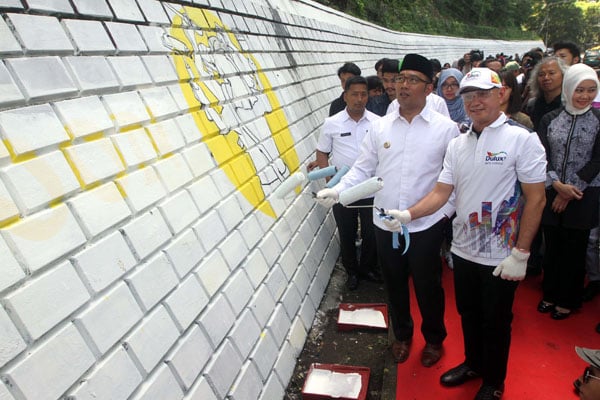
(40, 33)
(93, 8)
(264, 355)
(126, 10)
(42, 78)
(217, 319)
(10, 94)
(160, 67)
(223, 368)
(190, 355)
(52, 6)
(245, 333)
(92, 74)
(89, 36)
(130, 71)
(153, 11)
(126, 37)
(248, 384)
(8, 42)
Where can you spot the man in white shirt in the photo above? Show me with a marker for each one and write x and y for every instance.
(406, 148)
(338, 145)
(497, 171)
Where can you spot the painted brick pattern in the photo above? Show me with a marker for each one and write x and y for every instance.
(142, 252)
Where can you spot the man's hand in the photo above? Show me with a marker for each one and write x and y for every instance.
(312, 165)
(513, 267)
(327, 197)
(398, 219)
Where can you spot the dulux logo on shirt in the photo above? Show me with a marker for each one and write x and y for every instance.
(495, 158)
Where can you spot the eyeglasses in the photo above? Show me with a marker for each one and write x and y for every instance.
(587, 374)
(479, 94)
(449, 86)
(411, 79)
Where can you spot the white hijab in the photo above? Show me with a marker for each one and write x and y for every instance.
(574, 76)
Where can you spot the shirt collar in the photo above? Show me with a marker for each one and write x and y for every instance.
(502, 118)
(348, 117)
(425, 112)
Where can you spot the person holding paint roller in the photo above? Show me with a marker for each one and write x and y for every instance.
(497, 172)
(338, 145)
(406, 149)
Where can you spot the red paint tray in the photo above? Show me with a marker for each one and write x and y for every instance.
(382, 307)
(364, 373)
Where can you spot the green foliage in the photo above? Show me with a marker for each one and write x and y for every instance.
(549, 20)
(591, 27)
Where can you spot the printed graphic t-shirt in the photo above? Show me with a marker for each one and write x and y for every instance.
(485, 173)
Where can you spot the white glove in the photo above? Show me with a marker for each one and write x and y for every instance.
(513, 267)
(327, 197)
(398, 219)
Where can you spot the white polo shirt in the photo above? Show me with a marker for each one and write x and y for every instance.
(484, 172)
(437, 102)
(341, 136)
(408, 156)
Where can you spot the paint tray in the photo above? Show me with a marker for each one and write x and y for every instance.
(362, 316)
(334, 381)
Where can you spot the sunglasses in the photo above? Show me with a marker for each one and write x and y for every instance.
(587, 374)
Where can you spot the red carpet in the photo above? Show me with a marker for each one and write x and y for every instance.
(542, 364)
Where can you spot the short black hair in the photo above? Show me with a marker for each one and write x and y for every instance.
(374, 82)
(572, 47)
(436, 64)
(356, 80)
(349, 68)
(379, 63)
(390, 65)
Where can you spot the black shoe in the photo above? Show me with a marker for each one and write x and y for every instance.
(458, 375)
(487, 392)
(372, 277)
(545, 307)
(352, 282)
(559, 315)
(591, 290)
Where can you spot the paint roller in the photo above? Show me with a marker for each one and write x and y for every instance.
(360, 191)
(336, 178)
(289, 184)
(337, 174)
(320, 173)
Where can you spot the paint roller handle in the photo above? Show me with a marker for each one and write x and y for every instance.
(399, 218)
(327, 197)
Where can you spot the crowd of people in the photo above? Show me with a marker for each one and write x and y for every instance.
(492, 165)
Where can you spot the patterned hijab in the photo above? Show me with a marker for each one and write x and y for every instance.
(574, 76)
(456, 107)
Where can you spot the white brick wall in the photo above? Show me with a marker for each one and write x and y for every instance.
(47, 300)
(142, 254)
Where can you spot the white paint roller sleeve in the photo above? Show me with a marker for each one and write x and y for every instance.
(289, 184)
(360, 191)
(322, 173)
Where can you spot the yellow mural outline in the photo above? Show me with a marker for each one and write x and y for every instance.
(230, 157)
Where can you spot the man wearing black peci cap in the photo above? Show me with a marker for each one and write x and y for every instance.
(406, 149)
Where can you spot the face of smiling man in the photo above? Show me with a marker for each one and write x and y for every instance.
(412, 89)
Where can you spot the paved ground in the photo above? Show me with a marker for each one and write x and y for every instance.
(325, 344)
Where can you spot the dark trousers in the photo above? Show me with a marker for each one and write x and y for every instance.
(484, 303)
(346, 220)
(564, 266)
(422, 261)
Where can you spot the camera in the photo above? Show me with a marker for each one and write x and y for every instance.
(476, 55)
